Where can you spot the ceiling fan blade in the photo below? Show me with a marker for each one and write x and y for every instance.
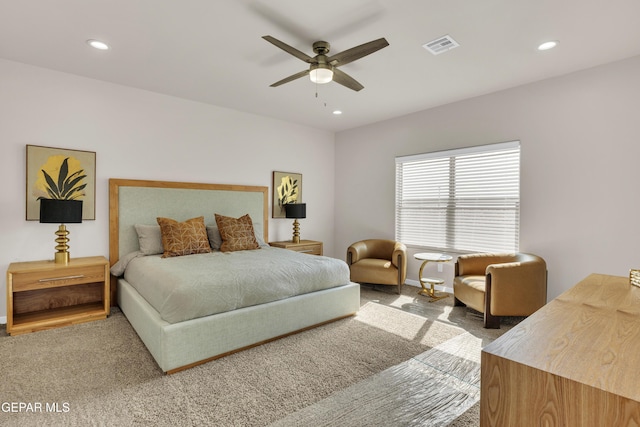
(346, 80)
(291, 50)
(291, 78)
(357, 52)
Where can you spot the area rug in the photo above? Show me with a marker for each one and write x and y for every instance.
(430, 389)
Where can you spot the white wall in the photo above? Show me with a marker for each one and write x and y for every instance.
(143, 135)
(580, 148)
(580, 172)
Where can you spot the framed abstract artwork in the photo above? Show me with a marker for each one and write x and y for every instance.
(287, 188)
(59, 173)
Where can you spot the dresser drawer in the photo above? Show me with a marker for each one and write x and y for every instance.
(51, 278)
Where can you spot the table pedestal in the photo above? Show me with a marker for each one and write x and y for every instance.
(428, 283)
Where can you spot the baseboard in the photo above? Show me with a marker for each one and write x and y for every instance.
(437, 287)
(3, 320)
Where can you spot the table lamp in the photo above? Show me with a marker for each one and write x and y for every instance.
(296, 210)
(53, 211)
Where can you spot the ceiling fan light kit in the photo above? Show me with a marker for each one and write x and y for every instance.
(321, 74)
(323, 68)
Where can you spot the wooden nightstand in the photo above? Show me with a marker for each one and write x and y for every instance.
(307, 246)
(43, 295)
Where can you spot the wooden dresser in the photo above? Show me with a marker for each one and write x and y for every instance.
(575, 362)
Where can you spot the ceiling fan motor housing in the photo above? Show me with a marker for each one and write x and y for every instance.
(321, 47)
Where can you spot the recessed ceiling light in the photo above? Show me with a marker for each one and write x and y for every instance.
(337, 112)
(548, 45)
(98, 44)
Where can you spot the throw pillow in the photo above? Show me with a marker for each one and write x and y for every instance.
(183, 238)
(237, 233)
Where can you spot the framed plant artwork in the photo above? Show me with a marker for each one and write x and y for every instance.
(287, 188)
(59, 173)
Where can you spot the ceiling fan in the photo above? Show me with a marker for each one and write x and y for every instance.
(323, 68)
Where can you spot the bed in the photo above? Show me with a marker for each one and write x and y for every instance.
(179, 340)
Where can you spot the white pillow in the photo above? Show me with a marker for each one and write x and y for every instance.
(149, 239)
(215, 240)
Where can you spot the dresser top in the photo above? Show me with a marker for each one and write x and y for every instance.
(589, 334)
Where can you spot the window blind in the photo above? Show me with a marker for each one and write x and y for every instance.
(465, 200)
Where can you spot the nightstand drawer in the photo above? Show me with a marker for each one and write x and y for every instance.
(312, 249)
(69, 276)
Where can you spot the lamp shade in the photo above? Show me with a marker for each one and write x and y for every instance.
(295, 210)
(60, 211)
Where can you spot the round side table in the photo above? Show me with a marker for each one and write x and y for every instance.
(430, 291)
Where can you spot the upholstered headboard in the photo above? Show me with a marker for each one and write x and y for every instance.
(141, 202)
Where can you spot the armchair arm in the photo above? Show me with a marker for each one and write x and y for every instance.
(399, 259)
(517, 288)
(356, 252)
(399, 256)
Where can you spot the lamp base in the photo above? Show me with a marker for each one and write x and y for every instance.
(62, 256)
(296, 231)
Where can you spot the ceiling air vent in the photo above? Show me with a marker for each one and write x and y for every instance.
(441, 44)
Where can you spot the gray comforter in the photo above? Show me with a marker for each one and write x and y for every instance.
(193, 286)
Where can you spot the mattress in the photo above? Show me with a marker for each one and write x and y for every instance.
(193, 286)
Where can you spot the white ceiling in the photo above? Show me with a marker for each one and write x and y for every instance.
(211, 51)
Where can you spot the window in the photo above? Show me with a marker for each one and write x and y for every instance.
(465, 200)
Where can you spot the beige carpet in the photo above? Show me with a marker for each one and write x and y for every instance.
(100, 373)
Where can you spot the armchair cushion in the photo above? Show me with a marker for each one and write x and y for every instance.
(470, 290)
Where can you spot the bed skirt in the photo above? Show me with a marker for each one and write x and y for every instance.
(182, 345)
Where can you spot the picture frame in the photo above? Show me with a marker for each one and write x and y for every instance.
(287, 188)
(634, 277)
(60, 173)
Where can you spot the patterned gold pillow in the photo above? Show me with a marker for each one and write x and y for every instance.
(237, 233)
(183, 238)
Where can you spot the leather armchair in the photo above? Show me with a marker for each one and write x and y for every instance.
(500, 285)
(378, 261)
